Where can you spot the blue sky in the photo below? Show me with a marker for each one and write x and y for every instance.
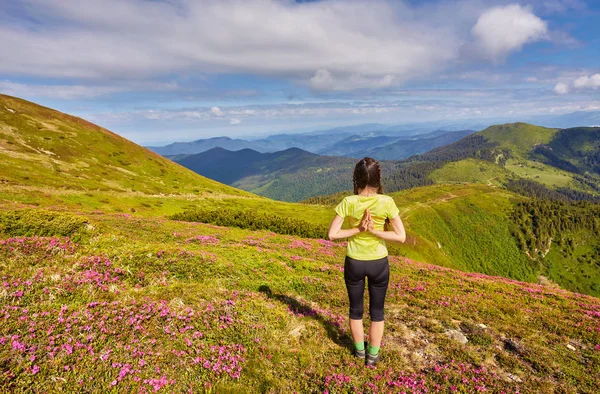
(161, 71)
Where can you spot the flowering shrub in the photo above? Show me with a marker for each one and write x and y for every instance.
(36, 245)
(234, 310)
(39, 222)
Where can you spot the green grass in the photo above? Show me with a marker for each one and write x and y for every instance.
(542, 173)
(463, 227)
(470, 171)
(145, 303)
(135, 302)
(43, 147)
(520, 138)
(460, 226)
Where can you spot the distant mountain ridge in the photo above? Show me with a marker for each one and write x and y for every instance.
(499, 155)
(336, 143)
(323, 141)
(402, 148)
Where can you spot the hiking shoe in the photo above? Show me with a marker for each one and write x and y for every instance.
(371, 360)
(359, 353)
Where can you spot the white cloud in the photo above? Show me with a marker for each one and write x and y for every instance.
(360, 44)
(216, 111)
(581, 83)
(561, 88)
(501, 30)
(586, 82)
(234, 121)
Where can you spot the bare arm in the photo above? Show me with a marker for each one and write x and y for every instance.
(398, 234)
(336, 232)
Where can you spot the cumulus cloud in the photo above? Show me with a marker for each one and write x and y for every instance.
(335, 45)
(561, 88)
(235, 121)
(585, 82)
(216, 111)
(502, 30)
(581, 83)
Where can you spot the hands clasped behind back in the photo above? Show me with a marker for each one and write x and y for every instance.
(366, 223)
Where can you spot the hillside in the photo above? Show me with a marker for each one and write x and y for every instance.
(103, 291)
(46, 148)
(145, 305)
(512, 152)
(51, 159)
(438, 223)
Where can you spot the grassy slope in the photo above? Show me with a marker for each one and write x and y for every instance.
(576, 269)
(44, 147)
(472, 231)
(51, 159)
(470, 171)
(518, 137)
(464, 227)
(142, 304)
(521, 139)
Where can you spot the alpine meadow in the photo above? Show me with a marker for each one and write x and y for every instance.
(123, 271)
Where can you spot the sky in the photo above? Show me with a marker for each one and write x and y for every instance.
(159, 71)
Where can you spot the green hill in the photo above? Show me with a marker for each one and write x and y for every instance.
(520, 138)
(44, 147)
(561, 160)
(51, 159)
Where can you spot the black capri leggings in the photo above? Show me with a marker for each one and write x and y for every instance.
(378, 272)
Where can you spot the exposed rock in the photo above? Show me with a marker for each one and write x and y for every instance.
(513, 345)
(571, 347)
(457, 336)
(482, 326)
(296, 331)
(514, 378)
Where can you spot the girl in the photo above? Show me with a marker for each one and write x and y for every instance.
(367, 212)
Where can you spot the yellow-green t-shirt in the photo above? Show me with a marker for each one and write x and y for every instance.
(364, 245)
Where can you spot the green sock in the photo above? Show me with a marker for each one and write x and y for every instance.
(373, 350)
(359, 346)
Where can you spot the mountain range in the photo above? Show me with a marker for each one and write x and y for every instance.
(564, 160)
(369, 139)
(331, 143)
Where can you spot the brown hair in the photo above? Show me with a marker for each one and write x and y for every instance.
(367, 172)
